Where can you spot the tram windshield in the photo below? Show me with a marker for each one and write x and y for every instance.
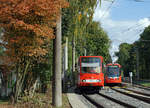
(90, 65)
(113, 71)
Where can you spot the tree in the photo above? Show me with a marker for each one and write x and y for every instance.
(96, 42)
(144, 51)
(135, 57)
(76, 20)
(124, 56)
(28, 28)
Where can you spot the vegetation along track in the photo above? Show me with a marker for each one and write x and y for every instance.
(145, 99)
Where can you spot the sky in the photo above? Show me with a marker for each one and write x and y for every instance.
(123, 20)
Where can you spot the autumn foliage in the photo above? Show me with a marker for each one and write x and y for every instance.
(28, 26)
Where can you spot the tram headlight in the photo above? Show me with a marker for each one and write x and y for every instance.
(91, 80)
(98, 80)
(83, 80)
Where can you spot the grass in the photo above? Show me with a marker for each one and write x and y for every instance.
(3, 102)
(144, 83)
(39, 100)
(65, 102)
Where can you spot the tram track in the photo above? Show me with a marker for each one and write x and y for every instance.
(117, 101)
(118, 97)
(98, 105)
(142, 98)
(144, 94)
(142, 87)
(137, 85)
(108, 98)
(101, 104)
(101, 101)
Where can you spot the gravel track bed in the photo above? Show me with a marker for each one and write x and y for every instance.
(86, 102)
(137, 86)
(141, 87)
(139, 90)
(106, 103)
(77, 100)
(126, 99)
(130, 92)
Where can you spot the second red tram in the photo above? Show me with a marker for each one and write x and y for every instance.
(113, 73)
(90, 74)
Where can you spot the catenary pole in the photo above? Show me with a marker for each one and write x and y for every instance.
(57, 87)
(137, 63)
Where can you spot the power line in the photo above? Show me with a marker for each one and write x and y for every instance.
(144, 40)
(134, 29)
(130, 28)
(120, 41)
(140, 1)
(135, 26)
(107, 9)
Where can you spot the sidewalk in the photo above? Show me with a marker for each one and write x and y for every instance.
(74, 99)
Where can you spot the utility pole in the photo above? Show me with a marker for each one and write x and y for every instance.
(57, 80)
(84, 51)
(65, 64)
(66, 55)
(73, 58)
(137, 63)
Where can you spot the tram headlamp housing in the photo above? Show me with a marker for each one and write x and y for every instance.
(98, 80)
(83, 80)
(92, 80)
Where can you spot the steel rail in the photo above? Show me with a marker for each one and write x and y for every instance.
(93, 102)
(144, 99)
(138, 92)
(117, 101)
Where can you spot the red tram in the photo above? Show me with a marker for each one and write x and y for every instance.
(90, 75)
(113, 73)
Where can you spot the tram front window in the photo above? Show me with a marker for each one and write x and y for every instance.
(90, 69)
(113, 71)
(90, 65)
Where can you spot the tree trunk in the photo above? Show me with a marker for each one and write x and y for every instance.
(32, 89)
(18, 79)
(57, 101)
(19, 82)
